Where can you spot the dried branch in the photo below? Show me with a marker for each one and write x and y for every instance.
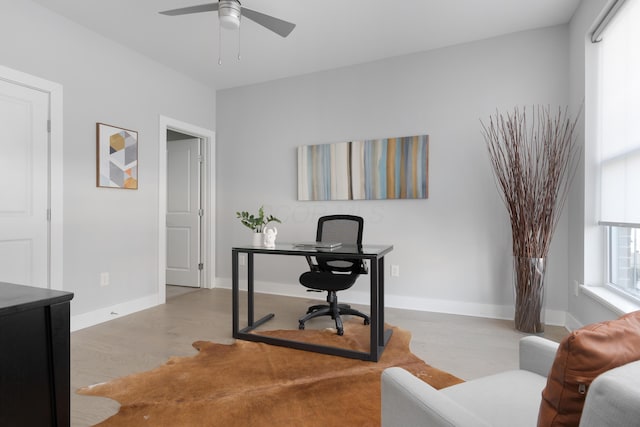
(533, 163)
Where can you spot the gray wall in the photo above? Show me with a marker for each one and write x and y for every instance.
(454, 249)
(105, 230)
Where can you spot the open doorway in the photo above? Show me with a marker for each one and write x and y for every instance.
(184, 214)
(186, 208)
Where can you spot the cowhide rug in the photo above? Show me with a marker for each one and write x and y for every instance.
(255, 384)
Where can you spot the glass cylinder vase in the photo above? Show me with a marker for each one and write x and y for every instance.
(529, 276)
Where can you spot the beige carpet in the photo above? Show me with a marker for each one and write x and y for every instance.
(255, 384)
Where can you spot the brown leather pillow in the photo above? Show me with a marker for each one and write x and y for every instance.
(582, 356)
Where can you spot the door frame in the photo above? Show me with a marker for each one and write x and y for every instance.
(56, 177)
(208, 201)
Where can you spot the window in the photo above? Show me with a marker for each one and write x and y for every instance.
(624, 259)
(619, 146)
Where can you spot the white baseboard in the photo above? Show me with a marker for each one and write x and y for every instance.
(95, 317)
(492, 311)
(552, 317)
(556, 318)
(572, 323)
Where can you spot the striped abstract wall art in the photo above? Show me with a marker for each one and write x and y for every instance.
(391, 168)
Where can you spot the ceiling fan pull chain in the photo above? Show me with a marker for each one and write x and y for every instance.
(220, 45)
(238, 43)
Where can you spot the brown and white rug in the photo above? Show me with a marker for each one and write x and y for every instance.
(256, 384)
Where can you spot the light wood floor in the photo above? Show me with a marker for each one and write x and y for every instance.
(468, 347)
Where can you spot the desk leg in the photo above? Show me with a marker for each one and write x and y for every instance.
(381, 338)
(235, 294)
(250, 289)
(375, 311)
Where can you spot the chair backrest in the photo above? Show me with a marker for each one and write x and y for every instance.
(345, 229)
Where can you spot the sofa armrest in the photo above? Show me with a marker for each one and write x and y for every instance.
(408, 401)
(613, 399)
(537, 354)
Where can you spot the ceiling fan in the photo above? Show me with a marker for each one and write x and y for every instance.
(229, 13)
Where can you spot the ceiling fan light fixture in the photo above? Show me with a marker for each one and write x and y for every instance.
(229, 14)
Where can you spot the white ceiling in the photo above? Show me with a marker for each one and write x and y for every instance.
(329, 33)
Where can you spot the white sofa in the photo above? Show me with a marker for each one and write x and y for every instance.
(509, 399)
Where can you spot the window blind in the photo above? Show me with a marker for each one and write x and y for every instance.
(619, 138)
(614, 6)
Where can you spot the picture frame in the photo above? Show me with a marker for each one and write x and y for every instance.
(116, 157)
(372, 169)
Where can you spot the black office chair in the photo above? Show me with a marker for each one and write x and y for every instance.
(333, 275)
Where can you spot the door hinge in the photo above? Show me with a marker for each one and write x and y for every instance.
(200, 159)
(48, 126)
(201, 266)
(200, 212)
(49, 215)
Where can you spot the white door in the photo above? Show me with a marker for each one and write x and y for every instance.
(24, 185)
(183, 212)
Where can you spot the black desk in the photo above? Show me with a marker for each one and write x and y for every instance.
(374, 253)
(34, 356)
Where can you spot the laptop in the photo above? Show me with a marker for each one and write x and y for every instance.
(323, 245)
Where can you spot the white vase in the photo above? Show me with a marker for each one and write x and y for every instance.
(257, 239)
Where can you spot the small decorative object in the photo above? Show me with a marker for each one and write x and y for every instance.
(389, 168)
(257, 224)
(117, 157)
(533, 163)
(270, 237)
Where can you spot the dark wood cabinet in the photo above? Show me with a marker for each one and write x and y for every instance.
(34, 356)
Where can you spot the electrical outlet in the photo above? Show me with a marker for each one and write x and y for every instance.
(395, 270)
(104, 279)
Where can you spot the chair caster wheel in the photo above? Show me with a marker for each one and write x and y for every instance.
(301, 326)
(366, 321)
(340, 331)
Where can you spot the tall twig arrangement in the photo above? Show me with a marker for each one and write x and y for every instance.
(534, 156)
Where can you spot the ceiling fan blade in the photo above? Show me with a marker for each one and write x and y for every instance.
(278, 26)
(209, 7)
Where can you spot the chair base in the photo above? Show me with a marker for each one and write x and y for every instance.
(334, 310)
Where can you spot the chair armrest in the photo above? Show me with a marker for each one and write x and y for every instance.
(613, 399)
(537, 354)
(408, 401)
(312, 266)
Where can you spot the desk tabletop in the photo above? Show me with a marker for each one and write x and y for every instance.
(291, 249)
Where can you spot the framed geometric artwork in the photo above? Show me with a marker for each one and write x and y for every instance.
(117, 157)
(390, 168)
